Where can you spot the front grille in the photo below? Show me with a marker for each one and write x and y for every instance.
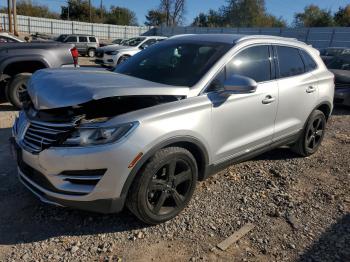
(42, 135)
(342, 85)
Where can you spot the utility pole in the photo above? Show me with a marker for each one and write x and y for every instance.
(14, 6)
(68, 9)
(9, 15)
(90, 10)
(101, 9)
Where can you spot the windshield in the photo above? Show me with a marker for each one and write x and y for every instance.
(340, 63)
(134, 41)
(174, 63)
(61, 38)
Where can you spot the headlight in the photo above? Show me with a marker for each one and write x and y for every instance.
(86, 136)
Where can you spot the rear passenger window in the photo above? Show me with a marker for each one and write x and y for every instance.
(290, 62)
(92, 39)
(310, 64)
(83, 39)
(252, 62)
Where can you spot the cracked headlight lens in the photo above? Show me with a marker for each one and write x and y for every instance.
(86, 136)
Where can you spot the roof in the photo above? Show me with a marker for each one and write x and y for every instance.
(228, 38)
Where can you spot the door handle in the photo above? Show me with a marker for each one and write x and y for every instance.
(268, 100)
(310, 89)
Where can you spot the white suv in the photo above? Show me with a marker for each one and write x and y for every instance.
(114, 55)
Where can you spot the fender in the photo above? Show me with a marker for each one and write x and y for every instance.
(150, 153)
(23, 58)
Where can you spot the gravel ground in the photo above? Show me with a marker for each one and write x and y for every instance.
(300, 207)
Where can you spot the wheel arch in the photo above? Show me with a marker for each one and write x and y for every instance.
(192, 144)
(325, 108)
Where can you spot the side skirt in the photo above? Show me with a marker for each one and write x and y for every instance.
(213, 169)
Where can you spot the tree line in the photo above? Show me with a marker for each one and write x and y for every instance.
(234, 13)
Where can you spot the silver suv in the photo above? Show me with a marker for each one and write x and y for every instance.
(169, 116)
(86, 44)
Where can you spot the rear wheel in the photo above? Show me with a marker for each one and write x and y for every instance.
(312, 136)
(16, 87)
(164, 186)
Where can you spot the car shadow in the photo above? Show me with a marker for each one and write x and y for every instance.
(278, 154)
(333, 245)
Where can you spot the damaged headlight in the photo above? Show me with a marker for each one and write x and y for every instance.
(86, 136)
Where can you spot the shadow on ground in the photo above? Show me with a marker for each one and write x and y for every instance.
(335, 241)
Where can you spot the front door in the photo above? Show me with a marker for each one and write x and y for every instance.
(242, 123)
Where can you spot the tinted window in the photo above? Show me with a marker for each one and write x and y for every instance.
(290, 62)
(252, 62)
(310, 64)
(92, 39)
(179, 64)
(83, 39)
(340, 62)
(71, 39)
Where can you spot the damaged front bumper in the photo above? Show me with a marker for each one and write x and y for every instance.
(89, 178)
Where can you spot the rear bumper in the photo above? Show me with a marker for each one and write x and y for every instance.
(342, 96)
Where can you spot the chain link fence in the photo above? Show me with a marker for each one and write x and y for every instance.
(32, 25)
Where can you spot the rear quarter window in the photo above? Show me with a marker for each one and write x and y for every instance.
(289, 61)
(92, 39)
(309, 62)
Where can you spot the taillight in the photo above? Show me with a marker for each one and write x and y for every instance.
(75, 55)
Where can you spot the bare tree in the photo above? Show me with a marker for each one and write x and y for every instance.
(173, 10)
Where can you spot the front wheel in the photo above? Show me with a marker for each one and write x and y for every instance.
(312, 136)
(123, 59)
(16, 87)
(91, 52)
(164, 186)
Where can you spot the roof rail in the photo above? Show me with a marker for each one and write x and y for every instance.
(247, 37)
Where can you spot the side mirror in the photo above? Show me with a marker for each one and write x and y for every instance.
(143, 47)
(238, 84)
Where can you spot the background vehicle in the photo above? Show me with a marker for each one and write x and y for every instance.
(7, 38)
(114, 55)
(328, 53)
(86, 44)
(340, 67)
(170, 115)
(19, 60)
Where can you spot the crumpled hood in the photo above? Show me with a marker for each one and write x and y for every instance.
(341, 76)
(55, 88)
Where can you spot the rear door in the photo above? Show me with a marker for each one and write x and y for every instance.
(298, 91)
(82, 44)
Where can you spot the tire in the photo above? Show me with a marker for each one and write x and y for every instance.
(123, 59)
(17, 85)
(312, 136)
(156, 195)
(91, 52)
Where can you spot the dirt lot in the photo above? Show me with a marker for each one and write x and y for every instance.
(300, 207)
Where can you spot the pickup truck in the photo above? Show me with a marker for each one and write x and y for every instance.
(18, 61)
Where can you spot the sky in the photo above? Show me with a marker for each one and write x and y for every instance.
(280, 8)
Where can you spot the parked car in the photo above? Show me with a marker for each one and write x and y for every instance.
(19, 60)
(169, 116)
(340, 67)
(328, 53)
(114, 55)
(86, 44)
(7, 38)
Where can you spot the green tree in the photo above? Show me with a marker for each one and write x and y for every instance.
(121, 16)
(342, 16)
(79, 10)
(28, 8)
(155, 18)
(313, 16)
(211, 19)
